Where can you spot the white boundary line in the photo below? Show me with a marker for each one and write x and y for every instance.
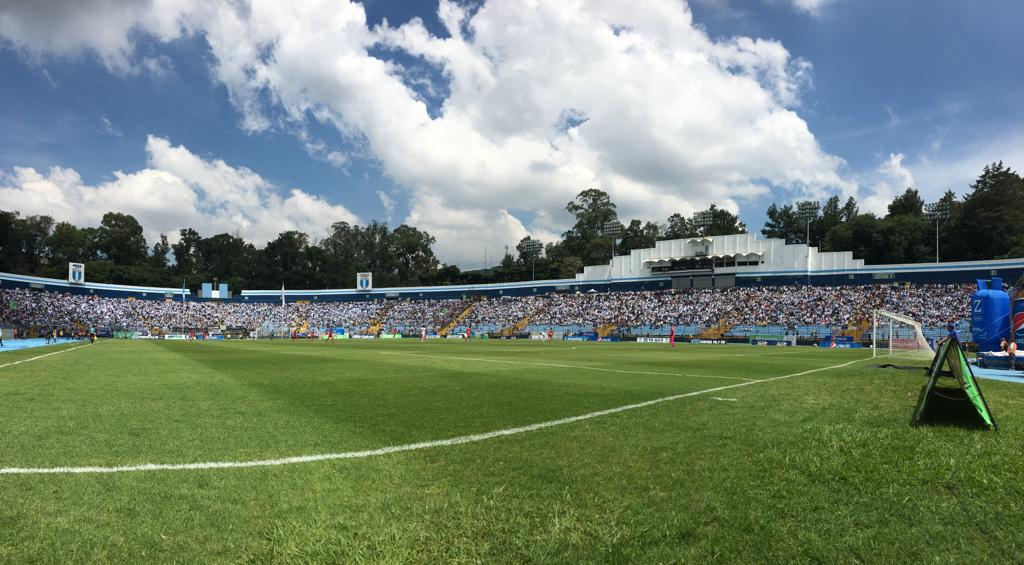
(564, 366)
(46, 355)
(389, 449)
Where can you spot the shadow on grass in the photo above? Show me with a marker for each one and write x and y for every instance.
(948, 407)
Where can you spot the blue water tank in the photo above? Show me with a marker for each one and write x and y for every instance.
(990, 314)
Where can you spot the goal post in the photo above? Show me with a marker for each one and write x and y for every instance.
(894, 334)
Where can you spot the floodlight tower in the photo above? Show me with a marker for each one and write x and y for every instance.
(702, 221)
(808, 212)
(938, 211)
(533, 247)
(613, 229)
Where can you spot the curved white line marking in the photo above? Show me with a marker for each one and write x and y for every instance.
(385, 450)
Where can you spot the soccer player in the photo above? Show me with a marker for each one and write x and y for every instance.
(551, 333)
(330, 335)
(423, 333)
(672, 335)
(469, 332)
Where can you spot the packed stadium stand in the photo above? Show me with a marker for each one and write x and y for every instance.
(729, 287)
(806, 311)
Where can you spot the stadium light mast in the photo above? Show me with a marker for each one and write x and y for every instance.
(702, 221)
(938, 211)
(533, 247)
(808, 212)
(613, 229)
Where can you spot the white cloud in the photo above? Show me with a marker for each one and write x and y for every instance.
(665, 118)
(889, 180)
(812, 7)
(109, 128)
(388, 204)
(104, 27)
(178, 189)
(959, 166)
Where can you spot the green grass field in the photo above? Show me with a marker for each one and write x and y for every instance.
(821, 466)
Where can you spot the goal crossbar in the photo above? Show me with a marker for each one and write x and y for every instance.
(915, 342)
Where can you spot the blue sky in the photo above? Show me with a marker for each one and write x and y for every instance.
(461, 130)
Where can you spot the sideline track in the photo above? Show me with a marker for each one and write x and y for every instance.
(389, 449)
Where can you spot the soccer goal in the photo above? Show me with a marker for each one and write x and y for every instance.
(894, 334)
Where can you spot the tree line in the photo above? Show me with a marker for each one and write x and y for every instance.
(986, 223)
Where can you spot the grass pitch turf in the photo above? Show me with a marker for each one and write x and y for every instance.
(817, 467)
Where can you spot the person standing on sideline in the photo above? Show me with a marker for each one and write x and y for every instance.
(423, 333)
(1, 337)
(1011, 354)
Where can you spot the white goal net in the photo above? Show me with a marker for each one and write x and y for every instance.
(896, 334)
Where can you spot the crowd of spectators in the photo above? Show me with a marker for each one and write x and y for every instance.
(25, 309)
(932, 305)
(411, 315)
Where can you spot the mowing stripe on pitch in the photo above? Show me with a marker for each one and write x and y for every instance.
(390, 449)
(46, 355)
(564, 366)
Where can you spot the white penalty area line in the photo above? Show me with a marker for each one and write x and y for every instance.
(46, 355)
(390, 449)
(564, 366)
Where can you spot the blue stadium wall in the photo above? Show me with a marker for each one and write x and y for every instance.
(964, 272)
(921, 273)
(8, 280)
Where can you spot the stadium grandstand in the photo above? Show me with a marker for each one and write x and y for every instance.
(726, 287)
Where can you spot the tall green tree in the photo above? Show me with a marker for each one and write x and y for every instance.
(861, 235)
(723, 222)
(414, 256)
(850, 209)
(907, 204)
(285, 261)
(831, 216)
(990, 222)
(187, 259)
(587, 240)
(679, 226)
(227, 258)
(638, 235)
(70, 244)
(782, 223)
(120, 239)
(161, 251)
